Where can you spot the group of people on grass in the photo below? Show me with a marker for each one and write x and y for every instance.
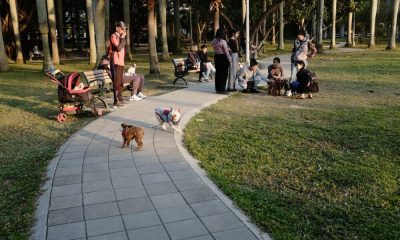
(227, 61)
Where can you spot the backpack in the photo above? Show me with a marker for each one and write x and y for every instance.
(313, 82)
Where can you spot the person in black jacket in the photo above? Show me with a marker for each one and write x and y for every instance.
(205, 64)
(302, 84)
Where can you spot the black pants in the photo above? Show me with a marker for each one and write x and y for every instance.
(221, 73)
(117, 83)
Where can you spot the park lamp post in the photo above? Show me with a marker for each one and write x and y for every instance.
(190, 21)
(248, 31)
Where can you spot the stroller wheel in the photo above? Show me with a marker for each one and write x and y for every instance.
(61, 117)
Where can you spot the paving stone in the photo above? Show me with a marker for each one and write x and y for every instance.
(155, 178)
(186, 229)
(123, 172)
(95, 159)
(96, 176)
(104, 225)
(96, 186)
(111, 236)
(189, 184)
(72, 155)
(160, 188)
(176, 166)
(149, 233)
(167, 200)
(131, 192)
(167, 151)
(96, 152)
(154, 168)
(169, 159)
(199, 195)
(65, 190)
(222, 222)
(66, 231)
(119, 157)
(182, 174)
(126, 181)
(174, 214)
(66, 202)
(209, 208)
(101, 210)
(70, 163)
(67, 215)
(67, 180)
(64, 171)
(204, 237)
(134, 205)
(95, 167)
(98, 197)
(146, 161)
(72, 149)
(142, 154)
(121, 164)
(141, 219)
(235, 234)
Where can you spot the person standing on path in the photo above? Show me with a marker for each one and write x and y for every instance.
(222, 60)
(233, 45)
(116, 52)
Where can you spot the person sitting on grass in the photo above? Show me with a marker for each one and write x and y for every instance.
(303, 80)
(136, 82)
(251, 77)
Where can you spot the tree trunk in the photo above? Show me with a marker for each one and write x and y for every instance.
(264, 25)
(78, 25)
(320, 26)
(100, 29)
(392, 42)
(14, 17)
(177, 27)
(349, 42)
(154, 68)
(216, 20)
(107, 22)
(196, 14)
(281, 45)
(163, 19)
(52, 25)
(374, 7)
(3, 58)
(273, 40)
(92, 38)
(127, 19)
(244, 11)
(333, 36)
(60, 23)
(44, 31)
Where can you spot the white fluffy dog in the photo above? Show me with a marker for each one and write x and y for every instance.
(168, 116)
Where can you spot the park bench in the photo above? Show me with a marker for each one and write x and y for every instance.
(181, 69)
(99, 81)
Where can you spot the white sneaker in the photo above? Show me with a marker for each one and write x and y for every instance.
(135, 98)
(141, 95)
(288, 93)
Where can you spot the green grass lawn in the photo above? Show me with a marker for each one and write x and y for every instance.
(30, 135)
(326, 168)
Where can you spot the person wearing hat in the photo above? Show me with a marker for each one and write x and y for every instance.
(251, 77)
(116, 52)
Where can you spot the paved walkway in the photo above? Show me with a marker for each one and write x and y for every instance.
(96, 190)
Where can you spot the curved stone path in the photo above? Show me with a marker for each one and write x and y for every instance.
(96, 190)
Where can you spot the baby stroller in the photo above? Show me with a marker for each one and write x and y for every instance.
(72, 95)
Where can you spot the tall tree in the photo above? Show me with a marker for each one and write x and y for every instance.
(177, 27)
(320, 25)
(52, 24)
(163, 19)
(127, 20)
(107, 22)
(349, 41)
(3, 58)
(44, 31)
(264, 25)
(92, 37)
(281, 44)
(100, 29)
(216, 6)
(60, 23)
(273, 39)
(392, 42)
(14, 18)
(154, 68)
(374, 7)
(333, 33)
